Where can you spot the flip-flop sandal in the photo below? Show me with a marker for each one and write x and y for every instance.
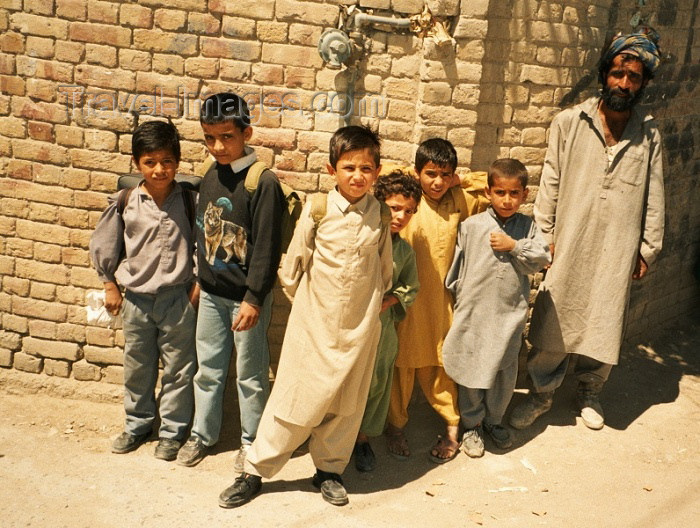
(397, 442)
(438, 447)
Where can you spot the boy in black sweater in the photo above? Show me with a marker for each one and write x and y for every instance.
(238, 247)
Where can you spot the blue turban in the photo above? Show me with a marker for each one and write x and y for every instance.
(643, 44)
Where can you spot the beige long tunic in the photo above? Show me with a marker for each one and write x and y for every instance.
(432, 234)
(338, 274)
(600, 215)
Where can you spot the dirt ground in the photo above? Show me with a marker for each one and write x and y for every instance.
(641, 470)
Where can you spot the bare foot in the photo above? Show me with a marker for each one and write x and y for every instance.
(445, 449)
(396, 443)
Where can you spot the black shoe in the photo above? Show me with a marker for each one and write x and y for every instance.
(126, 442)
(167, 449)
(364, 457)
(331, 486)
(243, 489)
(192, 452)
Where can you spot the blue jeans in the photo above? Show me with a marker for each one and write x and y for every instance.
(215, 342)
(159, 326)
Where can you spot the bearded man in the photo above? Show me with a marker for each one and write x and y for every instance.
(601, 207)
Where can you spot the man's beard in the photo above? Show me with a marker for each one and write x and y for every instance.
(615, 101)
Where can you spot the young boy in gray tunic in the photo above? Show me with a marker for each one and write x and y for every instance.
(145, 244)
(495, 252)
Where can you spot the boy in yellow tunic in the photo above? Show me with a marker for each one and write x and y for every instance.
(338, 269)
(448, 200)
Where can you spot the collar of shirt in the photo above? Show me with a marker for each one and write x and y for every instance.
(141, 192)
(495, 217)
(341, 203)
(249, 157)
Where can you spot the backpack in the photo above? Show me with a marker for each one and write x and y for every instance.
(188, 184)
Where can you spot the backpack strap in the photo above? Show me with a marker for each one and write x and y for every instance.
(122, 200)
(385, 213)
(190, 206)
(319, 206)
(253, 176)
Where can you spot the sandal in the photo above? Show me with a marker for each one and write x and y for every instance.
(397, 444)
(443, 447)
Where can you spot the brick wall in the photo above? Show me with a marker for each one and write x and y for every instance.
(66, 64)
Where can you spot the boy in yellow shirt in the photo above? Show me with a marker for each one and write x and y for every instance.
(447, 200)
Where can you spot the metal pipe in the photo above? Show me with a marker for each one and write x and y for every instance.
(363, 18)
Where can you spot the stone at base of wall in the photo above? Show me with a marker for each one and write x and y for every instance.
(16, 382)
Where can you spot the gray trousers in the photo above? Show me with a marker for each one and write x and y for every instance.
(548, 368)
(159, 326)
(489, 405)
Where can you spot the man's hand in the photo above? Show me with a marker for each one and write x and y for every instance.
(193, 295)
(247, 317)
(113, 298)
(388, 301)
(640, 268)
(551, 256)
(501, 241)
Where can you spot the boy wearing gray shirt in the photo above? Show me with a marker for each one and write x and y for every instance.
(144, 243)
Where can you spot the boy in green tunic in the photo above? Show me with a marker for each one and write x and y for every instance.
(402, 194)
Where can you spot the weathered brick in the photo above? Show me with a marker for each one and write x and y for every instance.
(100, 34)
(97, 76)
(10, 340)
(227, 48)
(20, 248)
(39, 309)
(291, 55)
(13, 127)
(7, 64)
(39, 25)
(107, 161)
(234, 70)
(70, 51)
(165, 85)
(40, 131)
(45, 69)
(313, 141)
(41, 89)
(80, 238)
(42, 329)
(548, 33)
(85, 278)
(39, 111)
(281, 139)
(170, 19)
(101, 55)
(42, 232)
(72, 9)
(305, 35)
(40, 151)
(153, 40)
(260, 9)
(7, 228)
(53, 367)
(75, 257)
(83, 371)
(47, 174)
(135, 16)
(268, 31)
(12, 85)
(27, 363)
(203, 24)
(168, 64)
(41, 271)
(470, 28)
(307, 12)
(69, 331)
(202, 68)
(41, 212)
(100, 140)
(48, 253)
(68, 136)
(11, 42)
(5, 358)
(40, 7)
(99, 336)
(15, 323)
(134, 60)
(104, 355)
(106, 12)
(16, 286)
(268, 74)
(113, 374)
(534, 136)
(51, 349)
(40, 47)
(544, 75)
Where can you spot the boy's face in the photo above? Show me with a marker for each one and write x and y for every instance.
(402, 210)
(506, 195)
(435, 180)
(225, 141)
(355, 172)
(158, 168)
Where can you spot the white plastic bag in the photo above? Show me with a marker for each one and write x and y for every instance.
(97, 314)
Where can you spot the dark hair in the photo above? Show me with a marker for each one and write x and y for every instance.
(605, 65)
(440, 151)
(354, 138)
(225, 107)
(155, 135)
(397, 182)
(508, 168)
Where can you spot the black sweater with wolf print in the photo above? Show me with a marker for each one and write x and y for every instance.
(238, 234)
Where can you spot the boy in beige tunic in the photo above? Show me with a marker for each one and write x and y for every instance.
(338, 269)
